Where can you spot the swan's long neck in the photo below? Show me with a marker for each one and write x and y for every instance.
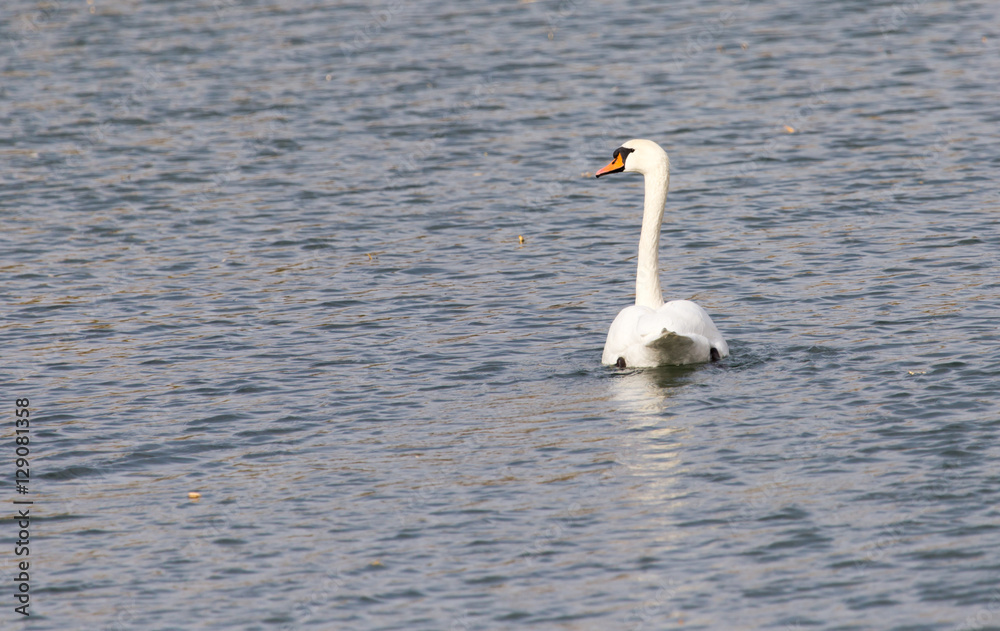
(647, 277)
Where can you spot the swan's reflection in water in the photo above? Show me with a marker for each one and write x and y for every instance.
(645, 393)
(650, 448)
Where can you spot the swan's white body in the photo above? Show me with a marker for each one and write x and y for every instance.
(652, 333)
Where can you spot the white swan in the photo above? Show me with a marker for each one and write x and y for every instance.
(652, 333)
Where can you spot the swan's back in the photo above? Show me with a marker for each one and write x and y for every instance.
(679, 332)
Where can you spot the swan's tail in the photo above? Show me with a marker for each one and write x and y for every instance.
(674, 348)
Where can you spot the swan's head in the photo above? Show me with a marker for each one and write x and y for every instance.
(638, 156)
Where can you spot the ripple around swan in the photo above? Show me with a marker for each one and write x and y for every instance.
(345, 271)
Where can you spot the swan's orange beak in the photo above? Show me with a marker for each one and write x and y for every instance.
(617, 166)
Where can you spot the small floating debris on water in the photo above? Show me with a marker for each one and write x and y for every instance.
(194, 495)
(520, 238)
(789, 129)
(917, 372)
(376, 563)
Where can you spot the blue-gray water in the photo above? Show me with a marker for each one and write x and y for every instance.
(269, 252)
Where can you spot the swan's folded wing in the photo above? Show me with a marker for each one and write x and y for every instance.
(624, 337)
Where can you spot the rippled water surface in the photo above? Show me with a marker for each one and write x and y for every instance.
(271, 252)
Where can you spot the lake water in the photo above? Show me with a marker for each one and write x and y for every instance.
(271, 252)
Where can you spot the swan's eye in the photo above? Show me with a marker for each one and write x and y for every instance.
(623, 152)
